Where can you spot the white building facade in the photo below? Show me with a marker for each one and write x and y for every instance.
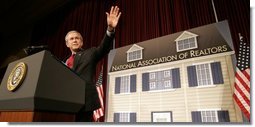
(182, 77)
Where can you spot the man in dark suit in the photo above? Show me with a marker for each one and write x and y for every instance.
(84, 62)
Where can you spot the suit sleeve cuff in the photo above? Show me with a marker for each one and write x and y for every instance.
(110, 34)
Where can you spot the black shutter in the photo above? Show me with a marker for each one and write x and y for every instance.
(116, 117)
(171, 114)
(196, 116)
(133, 83)
(217, 73)
(132, 117)
(145, 82)
(117, 85)
(192, 76)
(223, 116)
(176, 78)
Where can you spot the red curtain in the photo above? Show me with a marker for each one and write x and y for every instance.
(237, 12)
(140, 20)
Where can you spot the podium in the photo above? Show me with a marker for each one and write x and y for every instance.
(48, 92)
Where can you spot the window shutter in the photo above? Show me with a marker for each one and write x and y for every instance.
(117, 85)
(223, 116)
(145, 81)
(192, 76)
(176, 78)
(217, 73)
(116, 117)
(132, 117)
(196, 116)
(171, 115)
(133, 83)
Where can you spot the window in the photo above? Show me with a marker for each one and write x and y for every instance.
(134, 55)
(207, 74)
(124, 86)
(204, 74)
(162, 116)
(186, 44)
(167, 84)
(161, 80)
(152, 76)
(124, 117)
(210, 116)
(167, 73)
(152, 85)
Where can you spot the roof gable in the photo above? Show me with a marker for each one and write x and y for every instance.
(185, 35)
(135, 47)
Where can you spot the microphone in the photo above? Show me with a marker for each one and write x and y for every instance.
(34, 49)
(38, 47)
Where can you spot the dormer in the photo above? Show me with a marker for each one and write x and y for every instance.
(186, 41)
(135, 53)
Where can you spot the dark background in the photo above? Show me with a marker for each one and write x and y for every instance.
(25, 23)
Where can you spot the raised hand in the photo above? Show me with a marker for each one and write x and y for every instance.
(113, 18)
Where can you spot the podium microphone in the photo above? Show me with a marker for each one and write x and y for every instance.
(38, 47)
(34, 49)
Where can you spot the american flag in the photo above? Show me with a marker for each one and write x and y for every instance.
(242, 78)
(99, 112)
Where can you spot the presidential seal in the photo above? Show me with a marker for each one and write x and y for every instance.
(17, 76)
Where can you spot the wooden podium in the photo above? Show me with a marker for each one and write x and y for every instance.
(44, 90)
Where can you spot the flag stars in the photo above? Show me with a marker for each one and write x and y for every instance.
(243, 56)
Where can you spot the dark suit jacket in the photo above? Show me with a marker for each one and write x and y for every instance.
(85, 63)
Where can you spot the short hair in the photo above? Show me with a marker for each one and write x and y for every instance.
(73, 31)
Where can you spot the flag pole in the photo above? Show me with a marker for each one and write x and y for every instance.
(214, 10)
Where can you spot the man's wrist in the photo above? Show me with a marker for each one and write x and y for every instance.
(110, 31)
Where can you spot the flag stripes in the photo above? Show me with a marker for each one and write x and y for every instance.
(100, 91)
(242, 79)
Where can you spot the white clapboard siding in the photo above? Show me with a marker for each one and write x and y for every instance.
(180, 101)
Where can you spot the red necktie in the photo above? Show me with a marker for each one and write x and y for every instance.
(70, 60)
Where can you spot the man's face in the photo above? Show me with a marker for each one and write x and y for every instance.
(74, 41)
